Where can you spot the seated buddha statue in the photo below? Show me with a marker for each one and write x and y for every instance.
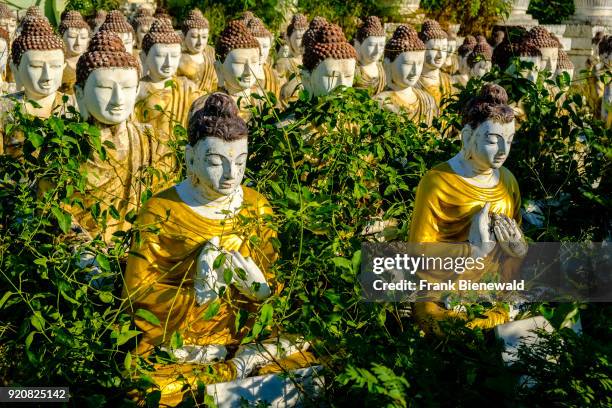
(141, 25)
(451, 65)
(462, 76)
(404, 58)
(164, 99)
(433, 80)
(370, 46)
(75, 32)
(238, 66)
(171, 272)
(195, 63)
(294, 34)
(37, 61)
(473, 202)
(268, 79)
(116, 22)
(479, 60)
(106, 88)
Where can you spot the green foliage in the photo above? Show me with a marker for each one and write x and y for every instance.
(551, 11)
(88, 8)
(475, 16)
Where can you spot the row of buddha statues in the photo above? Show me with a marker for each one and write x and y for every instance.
(136, 98)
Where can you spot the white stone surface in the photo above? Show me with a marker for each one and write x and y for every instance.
(518, 14)
(594, 12)
(278, 390)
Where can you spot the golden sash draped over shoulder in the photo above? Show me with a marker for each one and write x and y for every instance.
(69, 76)
(444, 206)
(209, 51)
(272, 82)
(115, 181)
(374, 85)
(423, 110)
(439, 91)
(202, 74)
(174, 102)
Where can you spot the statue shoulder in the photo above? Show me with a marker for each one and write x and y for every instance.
(510, 180)
(436, 175)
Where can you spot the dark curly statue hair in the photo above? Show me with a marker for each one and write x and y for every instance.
(215, 115)
(490, 103)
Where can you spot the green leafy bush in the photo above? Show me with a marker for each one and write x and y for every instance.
(475, 16)
(551, 11)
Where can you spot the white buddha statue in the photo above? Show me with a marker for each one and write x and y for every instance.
(117, 23)
(479, 60)
(451, 65)
(141, 23)
(286, 66)
(238, 65)
(462, 76)
(106, 89)
(8, 20)
(404, 59)
(37, 61)
(171, 272)
(268, 78)
(548, 46)
(195, 62)
(370, 46)
(433, 80)
(75, 32)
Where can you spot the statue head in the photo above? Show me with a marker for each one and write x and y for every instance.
(75, 33)
(309, 36)
(528, 52)
(605, 51)
(162, 51)
(263, 37)
(107, 80)
(195, 30)
(295, 33)
(8, 20)
(117, 23)
(141, 26)
(451, 47)
(488, 128)
(479, 60)
(329, 61)
(599, 35)
(37, 58)
(238, 54)
(548, 46)
(162, 14)
(218, 146)
(404, 58)
(98, 20)
(436, 44)
(370, 41)
(469, 42)
(564, 65)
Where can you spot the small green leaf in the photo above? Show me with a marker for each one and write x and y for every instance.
(219, 260)
(127, 361)
(176, 341)
(63, 219)
(212, 310)
(103, 262)
(148, 316)
(37, 321)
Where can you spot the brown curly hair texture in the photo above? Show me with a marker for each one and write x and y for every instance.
(541, 38)
(405, 38)
(431, 30)
(298, 22)
(309, 36)
(143, 12)
(34, 11)
(4, 35)
(162, 14)
(36, 34)
(161, 32)
(117, 23)
(491, 103)
(481, 51)
(142, 20)
(469, 42)
(218, 117)
(246, 17)
(195, 19)
(564, 62)
(327, 42)
(605, 45)
(105, 50)
(6, 12)
(526, 48)
(73, 19)
(371, 27)
(257, 28)
(235, 35)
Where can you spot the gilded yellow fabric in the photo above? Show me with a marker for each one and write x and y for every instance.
(209, 51)
(203, 74)
(115, 181)
(174, 102)
(594, 90)
(423, 110)
(444, 206)
(272, 83)
(69, 76)
(454, 65)
(162, 265)
(439, 91)
(374, 85)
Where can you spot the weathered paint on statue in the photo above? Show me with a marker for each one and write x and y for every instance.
(370, 46)
(76, 33)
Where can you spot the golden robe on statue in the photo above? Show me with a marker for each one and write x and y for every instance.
(174, 102)
(160, 278)
(444, 207)
(202, 74)
(424, 109)
(374, 85)
(69, 76)
(438, 90)
(271, 81)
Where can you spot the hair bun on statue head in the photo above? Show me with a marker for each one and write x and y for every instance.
(36, 34)
(404, 39)
(327, 42)
(235, 36)
(371, 27)
(491, 103)
(215, 115)
(431, 30)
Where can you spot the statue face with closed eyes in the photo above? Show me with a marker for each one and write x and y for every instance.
(162, 61)
(488, 146)
(328, 75)
(40, 72)
(241, 67)
(406, 68)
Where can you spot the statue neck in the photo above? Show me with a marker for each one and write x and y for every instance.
(236, 91)
(370, 68)
(195, 57)
(114, 128)
(220, 207)
(157, 84)
(46, 104)
(480, 176)
(431, 74)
